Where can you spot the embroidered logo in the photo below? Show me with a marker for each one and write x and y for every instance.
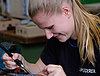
(85, 70)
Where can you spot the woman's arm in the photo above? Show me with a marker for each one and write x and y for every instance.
(33, 68)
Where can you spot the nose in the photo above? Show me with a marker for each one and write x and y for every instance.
(48, 33)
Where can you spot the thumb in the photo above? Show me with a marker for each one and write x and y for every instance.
(15, 56)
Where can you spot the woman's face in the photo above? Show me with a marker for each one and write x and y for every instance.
(60, 26)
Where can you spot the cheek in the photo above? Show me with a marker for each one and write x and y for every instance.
(68, 29)
(63, 25)
(67, 26)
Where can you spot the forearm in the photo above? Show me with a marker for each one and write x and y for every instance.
(33, 68)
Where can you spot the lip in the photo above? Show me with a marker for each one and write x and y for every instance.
(58, 36)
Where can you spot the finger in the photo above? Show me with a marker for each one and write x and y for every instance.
(55, 66)
(6, 57)
(51, 74)
(15, 56)
(55, 70)
(50, 68)
(10, 67)
(45, 72)
(9, 63)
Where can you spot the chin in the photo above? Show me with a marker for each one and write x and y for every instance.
(62, 40)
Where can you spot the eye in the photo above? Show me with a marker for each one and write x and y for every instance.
(50, 27)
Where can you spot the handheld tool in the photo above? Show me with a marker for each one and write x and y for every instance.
(17, 61)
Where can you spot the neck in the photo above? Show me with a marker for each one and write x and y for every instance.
(74, 36)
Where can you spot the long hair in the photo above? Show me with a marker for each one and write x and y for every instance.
(86, 26)
(87, 30)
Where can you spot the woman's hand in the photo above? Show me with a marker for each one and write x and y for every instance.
(54, 70)
(9, 62)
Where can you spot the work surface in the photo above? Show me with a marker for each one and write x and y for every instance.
(22, 75)
(11, 36)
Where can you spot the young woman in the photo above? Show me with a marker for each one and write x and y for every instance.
(73, 37)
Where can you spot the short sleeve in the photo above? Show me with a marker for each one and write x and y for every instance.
(49, 54)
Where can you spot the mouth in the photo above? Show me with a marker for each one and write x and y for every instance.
(57, 36)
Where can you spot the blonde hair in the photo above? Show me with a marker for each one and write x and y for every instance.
(85, 24)
(87, 31)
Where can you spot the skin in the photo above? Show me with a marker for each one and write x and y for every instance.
(60, 26)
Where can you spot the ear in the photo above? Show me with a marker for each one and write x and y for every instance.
(66, 11)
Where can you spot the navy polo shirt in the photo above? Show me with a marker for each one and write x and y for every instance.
(67, 55)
